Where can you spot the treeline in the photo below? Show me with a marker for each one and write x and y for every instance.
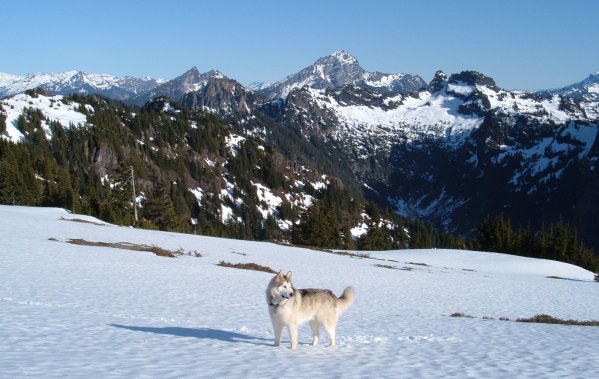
(169, 150)
(558, 241)
(329, 221)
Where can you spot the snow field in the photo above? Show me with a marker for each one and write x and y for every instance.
(80, 311)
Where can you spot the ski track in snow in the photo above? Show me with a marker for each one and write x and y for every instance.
(73, 311)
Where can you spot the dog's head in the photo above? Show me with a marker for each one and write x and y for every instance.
(280, 289)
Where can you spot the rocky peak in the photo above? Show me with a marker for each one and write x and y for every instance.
(472, 78)
(438, 82)
(223, 96)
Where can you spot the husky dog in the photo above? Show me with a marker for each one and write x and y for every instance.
(291, 307)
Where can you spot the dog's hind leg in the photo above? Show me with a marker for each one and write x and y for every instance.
(330, 326)
(315, 331)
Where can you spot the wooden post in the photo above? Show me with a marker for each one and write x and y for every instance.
(134, 197)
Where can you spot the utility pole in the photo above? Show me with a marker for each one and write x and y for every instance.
(134, 197)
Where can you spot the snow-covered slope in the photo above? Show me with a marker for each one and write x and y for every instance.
(338, 69)
(54, 108)
(79, 311)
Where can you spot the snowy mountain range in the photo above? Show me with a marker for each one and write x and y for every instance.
(79, 82)
(451, 151)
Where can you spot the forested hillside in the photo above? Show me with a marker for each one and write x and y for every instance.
(192, 173)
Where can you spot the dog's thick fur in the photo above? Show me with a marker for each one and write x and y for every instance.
(291, 307)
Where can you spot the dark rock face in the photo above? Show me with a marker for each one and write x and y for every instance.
(438, 82)
(472, 78)
(224, 97)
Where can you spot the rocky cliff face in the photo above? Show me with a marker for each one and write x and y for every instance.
(224, 97)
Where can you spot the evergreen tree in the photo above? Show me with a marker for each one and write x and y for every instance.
(160, 210)
(121, 195)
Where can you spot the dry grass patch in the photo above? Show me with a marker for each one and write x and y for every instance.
(547, 319)
(460, 314)
(405, 268)
(82, 221)
(247, 266)
(418, 264)
(128, 246)
(350, 254)
(386, 266)
(540, 319)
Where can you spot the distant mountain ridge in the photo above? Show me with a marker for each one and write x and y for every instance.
(587, 89)
(77, 82)
(333, 71)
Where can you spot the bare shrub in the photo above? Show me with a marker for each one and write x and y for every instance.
(162, 252)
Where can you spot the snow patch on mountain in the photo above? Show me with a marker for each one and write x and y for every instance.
(544, 160)
(415, 118)
(54, 108)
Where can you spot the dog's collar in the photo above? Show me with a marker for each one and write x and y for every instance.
(271, 304)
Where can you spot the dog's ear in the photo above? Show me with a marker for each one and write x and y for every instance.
(279, 277)
(288, 276)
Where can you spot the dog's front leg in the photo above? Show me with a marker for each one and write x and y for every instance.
(293, 335)
(278, 328)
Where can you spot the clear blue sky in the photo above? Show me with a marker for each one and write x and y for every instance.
(522, 44)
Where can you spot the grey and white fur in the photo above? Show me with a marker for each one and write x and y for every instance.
(292, 307)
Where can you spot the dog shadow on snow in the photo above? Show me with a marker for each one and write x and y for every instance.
(201, 333)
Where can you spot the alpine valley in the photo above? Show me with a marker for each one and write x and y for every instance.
(258, 159)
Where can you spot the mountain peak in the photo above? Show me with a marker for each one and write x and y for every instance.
(343, 57)
(437, 83)
(338, 69)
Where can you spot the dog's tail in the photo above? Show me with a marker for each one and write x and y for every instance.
(346, 299)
